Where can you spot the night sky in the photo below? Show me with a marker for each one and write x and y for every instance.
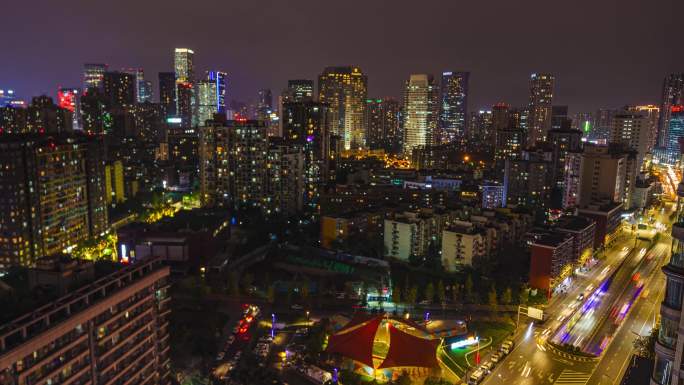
(604, 53)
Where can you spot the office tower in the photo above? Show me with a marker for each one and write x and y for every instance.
(652, 115)
(501, 117)
(233, 159)
(673, 94)
(219, 78)
(264, 104)
(541, 100)
(675, 135)
(93, 76)
(7, 97)
(559, 117)
(669, 346)
(55, 190)
(148, 122)
(142, 93)
(299, 90)
(382, 125)
(453, 107)
(420, 112)
(113, 327)
(634, 131)
(95, 114)
(344, 89)
(527, 179)
(185, 93)
(307, 125)
(119, 89)
(562, 141)
(70, 99)
(207, 103)
(509, 143)
(44, 116)
(285, 178)
(167, 94)
(480, 127)
(183, 59)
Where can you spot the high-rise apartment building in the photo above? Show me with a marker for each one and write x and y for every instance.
(453, 106)
(219, 78)
(207, 103)
(183, 64)
(54, 188)
(382, 125)
(562, 140)
(675, 135)
(285, 178)
(264, 104)
(420, 112)
(93, 75)
(113, 329)
(344, 89)
(299, 90)
(480, 126)
(634, 131)
(527, 179)
(540, 107)
(672, 95)
(44, 116)
(143, 89)
(119, 89)
(605, 175)
(167, 93)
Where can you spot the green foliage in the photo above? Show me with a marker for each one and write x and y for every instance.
(507, 297)
(396, 294)
(412, 295)
(441, 292)
(645, 345)
(524, 296)
(491, 298)
(429, 292)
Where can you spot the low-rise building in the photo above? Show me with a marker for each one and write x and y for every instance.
(462, 243)
(551, 260)
(608, 216)
(583, 231)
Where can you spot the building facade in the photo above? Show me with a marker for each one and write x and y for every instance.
(453, 106)
(420, 112)
(541, 102)
(345, 91)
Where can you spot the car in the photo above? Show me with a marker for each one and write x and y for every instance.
(504, 350)
(496, 357)
(297, 307)
(476, 377)
(580, 297)
(487, 366)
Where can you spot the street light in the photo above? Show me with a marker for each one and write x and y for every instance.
(307, 315)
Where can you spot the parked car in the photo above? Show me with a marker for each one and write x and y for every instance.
(496, 357)
(476, 377)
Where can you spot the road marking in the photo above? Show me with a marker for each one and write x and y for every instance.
(572, 377)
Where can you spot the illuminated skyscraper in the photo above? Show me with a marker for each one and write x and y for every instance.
(541, 101)
(633, 130)
(481, 126)
(453, 108)
(345, 91)
(673, 94)
(299, 90)
(382, 123)
(93, 75)
(143, 89)
(119, 89)
(652, 115)
(207, 100)
(183, 64)
(264, 104)
(70, 99)
(167, 94)
(219, 78)
(675, 134)
(420, 112)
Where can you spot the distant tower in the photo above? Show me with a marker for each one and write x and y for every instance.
(167, 93)
(420, 109)
(70, 99)
(185, 94)
(345, 90)
(541, 101)
(219, 78)
(453, 108)
(299, 90)
(264, 104)
(93, 75)
(673, 94)
(143, 89)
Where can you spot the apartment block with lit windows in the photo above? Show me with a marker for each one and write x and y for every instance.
(113, 331)
(52, 195)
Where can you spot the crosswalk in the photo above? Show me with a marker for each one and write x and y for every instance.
(572, 377)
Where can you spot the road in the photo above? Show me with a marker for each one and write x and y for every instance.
(533, 363)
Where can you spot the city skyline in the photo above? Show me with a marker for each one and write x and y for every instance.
(589, 63)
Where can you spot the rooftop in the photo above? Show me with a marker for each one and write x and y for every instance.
(574, 223)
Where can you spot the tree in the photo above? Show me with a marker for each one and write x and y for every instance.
(491, 298)
(396, 294)
(247, 281)
(455, 292)
(404, 379)
(270, 294)
(645, 345)
(412, 295)
(507, 297)
(441, 293)
(429, 292)
(470, 296)
(524, 295)
(304, 290)
(233, 283)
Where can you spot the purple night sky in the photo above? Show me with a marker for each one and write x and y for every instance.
(603, 52)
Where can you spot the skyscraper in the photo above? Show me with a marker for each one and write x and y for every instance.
(382, 125)
(480, 127)
(344, 89)
(54, 187)
(93, 75)
(673, 94)
(633, 130)
(119, 89)
(264, 104)
(219, 78)
(652, 114)
(675, 134)
(453, 108)
(207, 103)
(142, 93)
(183, 64)
(299, 90)
(70, 99)
(420, 109)
(167, 94)
(541, 101)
